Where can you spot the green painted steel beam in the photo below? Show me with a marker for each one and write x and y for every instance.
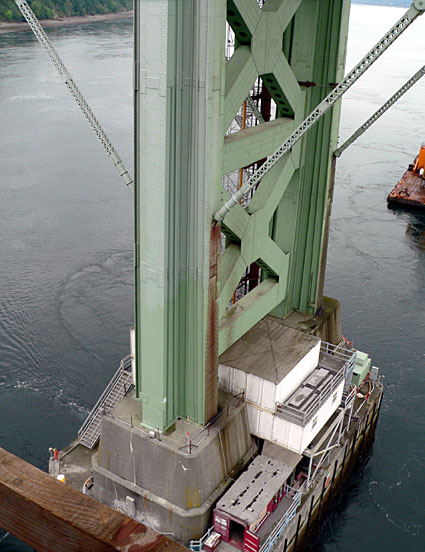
(240, 76)
(257, 304)
(248, 146)
(179, 142)
(276, 92)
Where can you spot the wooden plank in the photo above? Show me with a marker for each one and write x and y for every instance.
(50, 515)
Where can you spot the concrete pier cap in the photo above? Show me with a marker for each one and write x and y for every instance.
(170, 480)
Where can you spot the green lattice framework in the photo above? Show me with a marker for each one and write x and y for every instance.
(282, 229)
(189, 95)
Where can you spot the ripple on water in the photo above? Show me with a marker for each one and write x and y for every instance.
(96, 301)
(20, 98)
(90, 318)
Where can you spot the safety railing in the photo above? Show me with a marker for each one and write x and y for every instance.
(302, 415)
(336, 350)
(347, 355)
(125, 364)
(348, 398)
(283, 523)
(197, 545)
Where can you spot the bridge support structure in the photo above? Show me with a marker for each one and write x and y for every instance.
(187, 267)
(185, 100)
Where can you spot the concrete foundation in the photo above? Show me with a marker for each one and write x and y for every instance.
(170, 481)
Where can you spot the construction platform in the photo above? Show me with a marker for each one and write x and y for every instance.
(335, 456)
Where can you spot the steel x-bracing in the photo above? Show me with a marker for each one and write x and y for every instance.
(72, 87)
(416, 9)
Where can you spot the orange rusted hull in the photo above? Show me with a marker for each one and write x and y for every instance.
(409, 191)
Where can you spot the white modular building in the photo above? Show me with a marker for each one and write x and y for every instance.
(291, 384)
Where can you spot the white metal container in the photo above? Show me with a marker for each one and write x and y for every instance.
(292, 436)
(261, 391)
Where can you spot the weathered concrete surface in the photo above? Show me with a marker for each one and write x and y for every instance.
(157, 479)
(325, 324)
(76, 464)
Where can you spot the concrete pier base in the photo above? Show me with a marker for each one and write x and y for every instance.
(170, 481)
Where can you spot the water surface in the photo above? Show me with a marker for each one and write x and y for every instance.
(66, 227)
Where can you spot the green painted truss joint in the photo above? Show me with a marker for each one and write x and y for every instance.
(276, 92)
(238, 25)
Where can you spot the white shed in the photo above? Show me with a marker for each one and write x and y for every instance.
(290, 386)
(268, 363)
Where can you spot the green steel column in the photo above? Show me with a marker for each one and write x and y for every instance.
(317, 55)
(179, 83)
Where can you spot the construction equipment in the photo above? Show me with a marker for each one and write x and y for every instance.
(410, 190)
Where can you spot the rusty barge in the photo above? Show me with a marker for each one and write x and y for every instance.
(410, 190)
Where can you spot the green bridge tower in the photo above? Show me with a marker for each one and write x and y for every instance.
(225, 274)
(186, 267)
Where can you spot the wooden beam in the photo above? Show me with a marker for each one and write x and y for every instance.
(49, 515)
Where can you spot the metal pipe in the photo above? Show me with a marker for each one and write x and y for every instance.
(309, 470)
(350, 415)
